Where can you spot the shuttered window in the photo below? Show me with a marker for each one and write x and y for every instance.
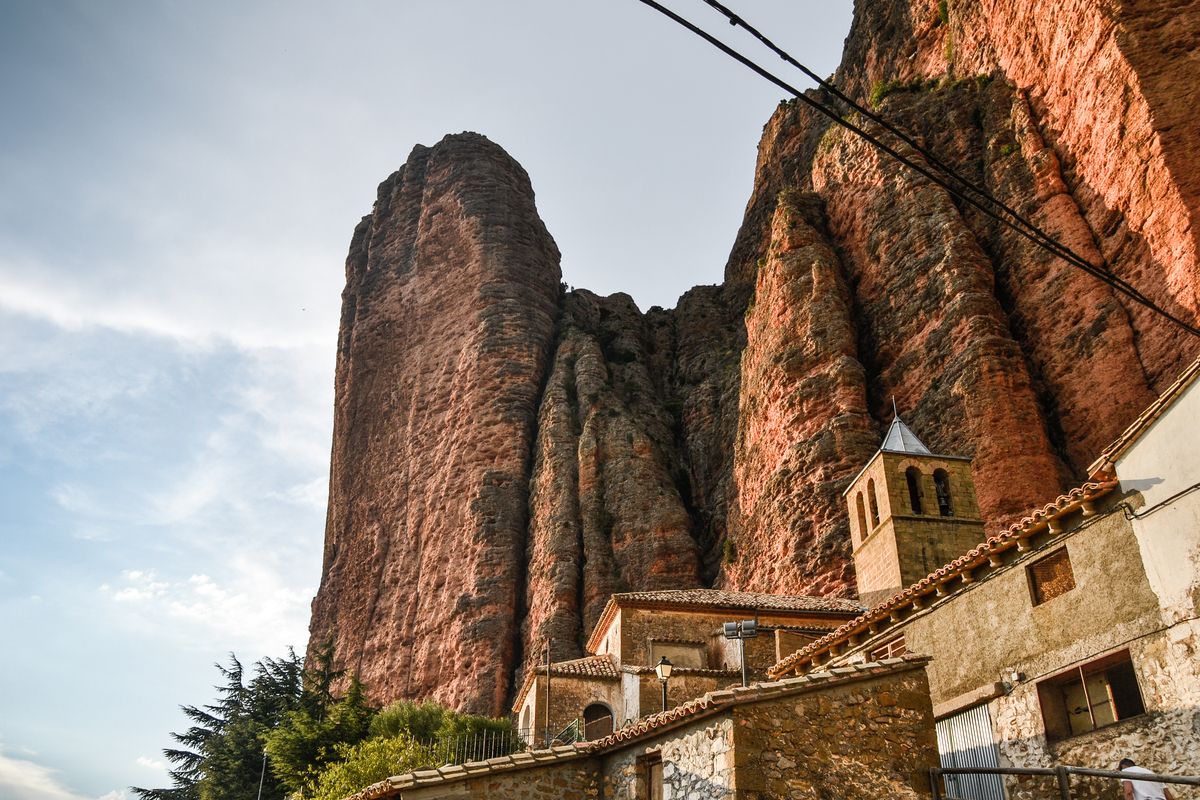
(1051, 576)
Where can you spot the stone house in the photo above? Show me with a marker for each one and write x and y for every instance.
(615, 684)
(1069, 638)
(858, 732)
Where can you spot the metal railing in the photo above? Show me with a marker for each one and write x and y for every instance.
(446, 750)
(1062, 776)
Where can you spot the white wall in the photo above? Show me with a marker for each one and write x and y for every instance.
(1163, 461)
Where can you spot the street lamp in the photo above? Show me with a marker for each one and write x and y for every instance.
(663, 670)
(746, 629)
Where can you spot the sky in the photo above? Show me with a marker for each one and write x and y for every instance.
(178, 186)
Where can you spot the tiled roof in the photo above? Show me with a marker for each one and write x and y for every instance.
(719, 598)
(711, 703)
(678, 670)
(748, 601)
(721, 698)
(602, 667)
(937, 582)
(1102, 467)
(589, 666)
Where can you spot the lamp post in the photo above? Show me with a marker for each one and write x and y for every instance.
(549, 641)
(262, 775)
(746, 629)
(663, 670)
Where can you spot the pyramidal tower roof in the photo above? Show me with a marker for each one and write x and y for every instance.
(901, 439)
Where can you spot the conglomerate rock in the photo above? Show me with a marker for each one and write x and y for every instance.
(508, 453)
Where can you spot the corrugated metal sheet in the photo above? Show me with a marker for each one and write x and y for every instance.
(965, 740)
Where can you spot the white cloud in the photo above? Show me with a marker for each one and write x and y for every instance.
(257, 606)
(22, 779)
(150, 763)
(115, 794)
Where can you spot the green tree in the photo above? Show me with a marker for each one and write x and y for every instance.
(308, 738)
(221, 753)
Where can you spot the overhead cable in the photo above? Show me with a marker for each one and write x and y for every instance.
(945, 177)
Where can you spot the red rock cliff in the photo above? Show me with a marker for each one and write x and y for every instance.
(452, 288)
(507, 454)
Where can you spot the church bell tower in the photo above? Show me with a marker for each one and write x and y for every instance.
(911, 511)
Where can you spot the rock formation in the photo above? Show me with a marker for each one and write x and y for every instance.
(507, 453)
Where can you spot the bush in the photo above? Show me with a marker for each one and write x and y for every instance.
(369, 762)
(428, 721)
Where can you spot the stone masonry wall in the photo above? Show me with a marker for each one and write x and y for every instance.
(864, 740)
(698, 762)
(1165, 739)
(577, 779)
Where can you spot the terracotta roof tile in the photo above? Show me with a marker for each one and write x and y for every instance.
(590, 666)
(977, 556)
(603, 667)
(749, 601)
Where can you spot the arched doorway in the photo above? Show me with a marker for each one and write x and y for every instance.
(597, 721)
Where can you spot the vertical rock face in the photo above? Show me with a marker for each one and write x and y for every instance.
(805, 430)
(507, 454)
(452, 288)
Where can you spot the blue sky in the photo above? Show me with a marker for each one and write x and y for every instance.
(178, 186)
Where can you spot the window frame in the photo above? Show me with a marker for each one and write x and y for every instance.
(1052, 702)
(1061, 552)
(648, 765)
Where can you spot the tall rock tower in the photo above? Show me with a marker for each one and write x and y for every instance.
(452, 290)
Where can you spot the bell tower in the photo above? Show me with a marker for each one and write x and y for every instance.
(911, 511)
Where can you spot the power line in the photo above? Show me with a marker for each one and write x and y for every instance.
(973, 195)
(931, 157)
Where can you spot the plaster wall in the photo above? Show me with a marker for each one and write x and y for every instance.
(1161, 463)
(983, 631)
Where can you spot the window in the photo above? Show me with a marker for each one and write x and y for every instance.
(941, 483)
(873, 502)
(526, 732)
(913, 476)
(1090, 697)
(1050, 576)
(892, 649)
(862, 517)
(651, 769)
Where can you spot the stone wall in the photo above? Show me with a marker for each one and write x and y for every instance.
(905, 546)
(698, 762)
(860, 732)
(1165, 739)
(569, 696)
(576, 779)
(639, 626)
(858, 741)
